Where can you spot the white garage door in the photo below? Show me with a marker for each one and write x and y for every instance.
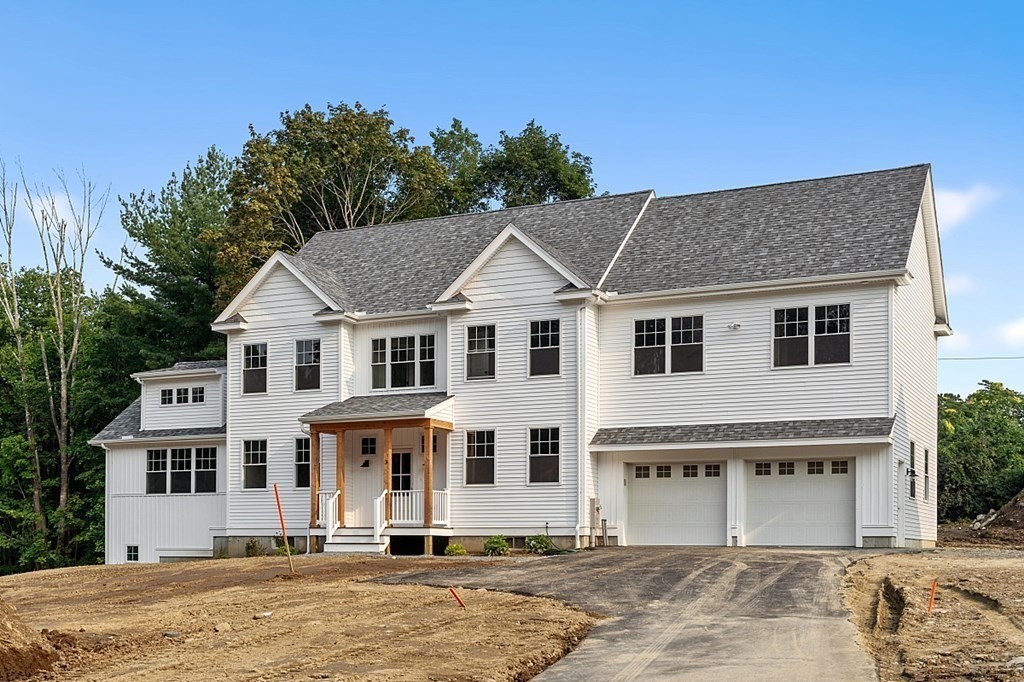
(800, 503)
(676, 503)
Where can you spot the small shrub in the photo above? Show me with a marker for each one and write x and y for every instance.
(221, 554)
(253, 547)
(539, 544)
(497, 545)
(455, 549)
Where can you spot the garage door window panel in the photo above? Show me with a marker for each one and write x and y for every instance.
(642, 471)
(763, 469)
(712, 470)
(815, 468)
(840, 466)
(663, 471)
(649, 347)
(787, 468)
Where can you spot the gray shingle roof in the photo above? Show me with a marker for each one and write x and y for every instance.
(200, 364)
(128, 422)
(831, 226)
(743, 431)
(406, 266)
(371, 406)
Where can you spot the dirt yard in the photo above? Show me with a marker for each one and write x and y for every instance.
(975, 630)
(246, 619)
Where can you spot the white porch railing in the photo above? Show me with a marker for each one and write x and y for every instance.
(407, 507)
(329, 511)
(379, 517)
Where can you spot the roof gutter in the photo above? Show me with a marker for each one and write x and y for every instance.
(169, 374)
(129, 440)
(901, 276)
(364, 417)
(706, 445)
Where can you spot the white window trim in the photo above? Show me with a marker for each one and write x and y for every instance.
(465, 354)
(241, 365)
(810, 335)
(417, 385)
(541, 484)
(242, 465)
(296, 365)
(667, 372)
(295, 462)
(192, 395)
(160, 397)
(465, 451)
(529, 355)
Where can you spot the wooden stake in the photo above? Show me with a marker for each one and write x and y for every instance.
(457, 597)
(284, 531)
(931, 599)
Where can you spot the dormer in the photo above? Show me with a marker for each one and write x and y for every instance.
(187, 395)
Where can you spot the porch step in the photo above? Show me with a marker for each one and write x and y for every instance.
(355, 541)
(349, 530)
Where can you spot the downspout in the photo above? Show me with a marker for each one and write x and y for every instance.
(581, 411)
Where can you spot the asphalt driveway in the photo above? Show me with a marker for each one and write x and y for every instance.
(692, 613)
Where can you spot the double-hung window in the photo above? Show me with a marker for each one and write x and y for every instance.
(254, 368)
(156, 472)
(544, 453)
(651, 354)
(206, 470)
(301, 462)
(379, 363)
(403, 361)
(480, 458)
(307, 365)
(254, 464)
(649, 346)
(794, 345)
(427, 358)
(181, 470)
(544, 348)
(688, 344)
(480, 342)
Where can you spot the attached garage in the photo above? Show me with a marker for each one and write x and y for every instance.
(676, 503)
(810, 503)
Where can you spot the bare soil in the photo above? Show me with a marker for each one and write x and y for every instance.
(975, 630)
(962, 535)
(248, 619)
(23, 651)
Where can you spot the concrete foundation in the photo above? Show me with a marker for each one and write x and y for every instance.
(875, 542)
(235, 546)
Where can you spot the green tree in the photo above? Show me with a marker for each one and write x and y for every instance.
(981, 450)
(458, 150)
(534, 167)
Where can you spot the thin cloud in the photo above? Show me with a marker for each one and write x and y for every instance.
(960, 342)
(959, 284)
(955, 206)
(1012, 333)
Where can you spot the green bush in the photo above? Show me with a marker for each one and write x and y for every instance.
(455, 549)
(253, 547)
(497, 545)
(539, 544)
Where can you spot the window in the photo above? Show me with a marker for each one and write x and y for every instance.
(649, 347)
(368, 446)
(480, 352)
(181, 396)
(156, 472)
(544, 453)
(642, 471)
(479, 457)
(688, 344)
(433, 443)
(307, 365)
(379, 363)
(790, 346)
(254, 464)
(206, 470)
(763, 469)
(815, 468)
(663, 471)
(181, 470)
(198, 394)
(712, 470)
(301, 462)
(912, 474)
(254, 368)
(131, 553)
(927, 477)
(832, 334)
(544, 348)
(166, 396)
(427, 352)
(401, 471)
(690, 471)
(787, 468)
(840, 466)
(403, 361)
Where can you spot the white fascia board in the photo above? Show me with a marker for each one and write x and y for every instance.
(131, 440)
(933, 242)
(788, 443)
(360, 316)
(250, 288)
(484, 256)
(455, 306)
(943, 330)
(629, 233)
(224, 327)
(764, 286)
(429, 413)
(176, 374)
(577, 295)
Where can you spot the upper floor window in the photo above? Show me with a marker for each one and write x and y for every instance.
(480, 343)
(206, 470)
(198, 394)
(649, 346)
(307, 365)
(544, 453)
(688, 344)
(792, 340)
(156, 472)
(480, 458)
(181, 470)
(254, 368)
(181, 396)
(166, 396)
(254, 464)
(544, 348)
(301, 462)
(402, 361)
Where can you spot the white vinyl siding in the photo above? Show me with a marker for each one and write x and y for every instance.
(363, 336)
(738, 382)
(209, 412)
(914, 388)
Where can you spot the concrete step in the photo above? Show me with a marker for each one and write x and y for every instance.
(354, 539)
(348, 530)
(356, 547)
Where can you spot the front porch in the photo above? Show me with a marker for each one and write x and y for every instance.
(384, 462)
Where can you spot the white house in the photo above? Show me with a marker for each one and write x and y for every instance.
(746, 367)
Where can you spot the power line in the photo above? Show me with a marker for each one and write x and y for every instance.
(986, 357)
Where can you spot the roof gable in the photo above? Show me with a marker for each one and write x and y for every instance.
(306, 273)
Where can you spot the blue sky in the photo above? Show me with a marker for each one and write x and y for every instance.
(677, 97)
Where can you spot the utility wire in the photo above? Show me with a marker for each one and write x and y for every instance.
(987, 357)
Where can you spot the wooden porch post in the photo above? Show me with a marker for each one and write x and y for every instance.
(339, 475)
(387, 475)
(314, 476)
(428, 475)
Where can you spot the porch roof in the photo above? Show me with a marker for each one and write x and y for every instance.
(379, 407)
(868, 429)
